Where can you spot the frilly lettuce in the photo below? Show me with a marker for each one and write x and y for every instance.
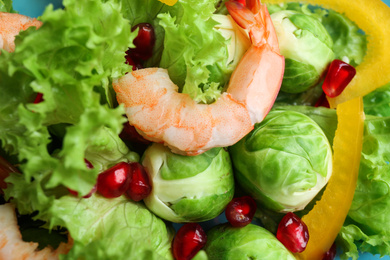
(195, 53)
(71, 60)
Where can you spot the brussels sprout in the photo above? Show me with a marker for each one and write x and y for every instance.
(249, 242)
(307, 47)
(188, 188)
(284, 162)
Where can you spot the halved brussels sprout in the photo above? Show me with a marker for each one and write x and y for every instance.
(284, 162)
(188, 188)
(249, 242)
(307, 47)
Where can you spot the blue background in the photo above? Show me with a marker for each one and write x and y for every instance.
(35, 8)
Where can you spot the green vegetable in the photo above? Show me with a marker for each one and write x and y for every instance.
(368, 223)
(249, 242)
(112, 229)
(195, 54)
(307, 47)
(71, 62)
(188, 188)
(6, 6)
(349, 43)
(377, 103)
(284, 162)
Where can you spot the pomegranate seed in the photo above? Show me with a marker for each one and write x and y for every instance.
(293, 233)
(337, 78)
(75, 193)
(139, 187)
(114, 182)
(132, 61)
(240, 211)
(189, 239)
(322, 101)
(144, 41)
(38, 98)
(331, 254)
(130, 134)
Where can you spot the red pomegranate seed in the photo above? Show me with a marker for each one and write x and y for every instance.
(75, 193)
(189, 239)
(130, 134)
(293, 233)
(337, 78)
(331, 254)
(139, 187)
(144, 42)
(240, 211)
(322, 101)
(114, 182)
(136, 65)
(38, 98)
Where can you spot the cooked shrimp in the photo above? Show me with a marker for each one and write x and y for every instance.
(12, 247)
(10, 26)
(161, 114)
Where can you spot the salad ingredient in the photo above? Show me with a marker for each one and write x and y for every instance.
(240, 211)
(249, 242)
(190, 128)
(337, 78)
(139, 187)
(326, 218)
(367, 226)
(12, 245)
(284, 162)
(188, 188)
(293, 233)
(94, 189)
(5, 169)
(189, 239)
(144, 42)
(10, 26)
(368, 76)
(114, 181)
(377, 103)
(331, 253)
(307, 47)
(116, 228)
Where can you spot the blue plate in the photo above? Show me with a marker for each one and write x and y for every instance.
(35, 8)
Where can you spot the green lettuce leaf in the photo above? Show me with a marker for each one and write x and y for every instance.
(377, 103)
(112, 229)
(6, 6)
(195, 54)
(71, 59)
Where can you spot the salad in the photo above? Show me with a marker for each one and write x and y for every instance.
(195, 130)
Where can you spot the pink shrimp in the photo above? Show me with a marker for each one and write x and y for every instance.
(12, 247)
(161, 114)
(10, 26)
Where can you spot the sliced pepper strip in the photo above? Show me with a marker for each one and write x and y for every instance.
(326, 218)
(168, 2)
(373, 17)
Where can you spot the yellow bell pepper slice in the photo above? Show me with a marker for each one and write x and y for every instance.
(168, 2)
(326, 218)
(373, 17)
